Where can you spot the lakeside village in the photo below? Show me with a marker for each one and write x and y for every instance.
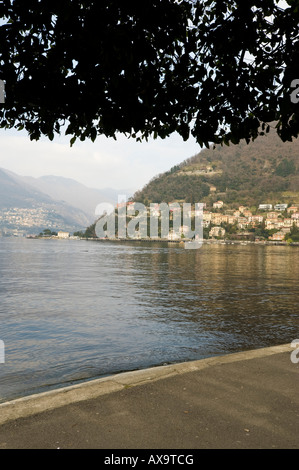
(267, 223)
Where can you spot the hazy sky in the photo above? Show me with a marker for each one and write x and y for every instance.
(121, 164)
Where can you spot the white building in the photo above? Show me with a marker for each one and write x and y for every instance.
(265, 207)
(280, 207)
(62, 234)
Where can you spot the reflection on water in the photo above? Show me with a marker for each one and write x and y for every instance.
(76, 310)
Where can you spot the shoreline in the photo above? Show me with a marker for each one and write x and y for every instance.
(246, 400)
(204, 242)
(177, 242)
(29, 405)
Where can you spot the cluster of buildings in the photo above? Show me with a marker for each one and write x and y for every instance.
(279, 218)
(61, 234)
(22, 217)
(19, 222)
(220, 222)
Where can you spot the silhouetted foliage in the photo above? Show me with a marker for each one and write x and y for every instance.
(215, 69)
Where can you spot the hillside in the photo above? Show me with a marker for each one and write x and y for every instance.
(29, 204)
(14, 194)
(264, 171)
(25, 208)
(70, 192)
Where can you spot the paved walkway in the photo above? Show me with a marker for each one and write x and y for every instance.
(243, 400)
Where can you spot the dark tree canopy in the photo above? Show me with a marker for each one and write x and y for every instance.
(220, 70)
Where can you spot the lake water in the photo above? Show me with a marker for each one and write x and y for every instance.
(77, 310)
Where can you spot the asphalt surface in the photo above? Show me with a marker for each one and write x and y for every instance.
(246, 400)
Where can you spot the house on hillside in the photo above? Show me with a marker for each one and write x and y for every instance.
(231, 219)
(217, 232)
(265, 207)
(216, 219)
(278, 236)
(272, 215)
(242, 222)
(280, 207)
(218, 204)
(288, 223)
(247, 213)
(257, 219)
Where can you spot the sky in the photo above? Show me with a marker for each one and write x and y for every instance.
(122, 164)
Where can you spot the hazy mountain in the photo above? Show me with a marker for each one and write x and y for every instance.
(17, 193)
(266, 170)
(70, 205)
(71, 192)
(14, 193)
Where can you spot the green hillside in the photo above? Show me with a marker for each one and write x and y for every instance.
(264, 171)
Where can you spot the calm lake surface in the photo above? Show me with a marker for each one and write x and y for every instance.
(77, 310)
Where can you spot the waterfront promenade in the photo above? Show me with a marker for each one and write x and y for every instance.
(246, 400)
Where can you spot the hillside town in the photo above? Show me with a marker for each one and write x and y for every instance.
(21, 222)
(25, 217)
(277, 220)
(17, 221)
(265, 222)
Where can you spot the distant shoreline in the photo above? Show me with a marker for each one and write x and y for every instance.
(180, 242)
(206, 242)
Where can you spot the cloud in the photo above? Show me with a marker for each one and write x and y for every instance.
(119, 164)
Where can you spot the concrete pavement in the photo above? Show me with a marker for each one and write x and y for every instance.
(243, 400)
